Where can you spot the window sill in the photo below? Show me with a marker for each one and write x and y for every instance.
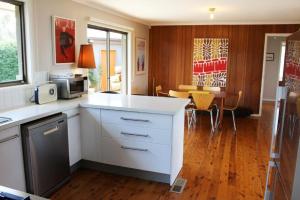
(15, 86)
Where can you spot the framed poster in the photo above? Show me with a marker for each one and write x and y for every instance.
(140, 53)
(270, 57)
(210, 59)
(63, 40)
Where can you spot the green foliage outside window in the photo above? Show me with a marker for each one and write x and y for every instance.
(9, 68)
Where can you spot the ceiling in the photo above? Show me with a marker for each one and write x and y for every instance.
(169, 12)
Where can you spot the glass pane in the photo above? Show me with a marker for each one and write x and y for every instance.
(281, 66)
(76, 86)
(10, 43)
(117, 62)
(98, 76)
(110, 57)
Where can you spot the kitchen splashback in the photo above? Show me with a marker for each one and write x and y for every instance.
(18, 96)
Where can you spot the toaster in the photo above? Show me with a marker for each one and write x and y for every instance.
(45, 93)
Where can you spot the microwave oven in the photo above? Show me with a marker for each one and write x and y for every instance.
(69, 88)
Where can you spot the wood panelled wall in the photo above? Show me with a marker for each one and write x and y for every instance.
(171, 49)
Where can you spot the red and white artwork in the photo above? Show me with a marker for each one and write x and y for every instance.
(210, 58)
(64, 40)
(292, 65)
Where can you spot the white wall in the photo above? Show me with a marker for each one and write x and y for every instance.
(41, 61)
(272, 68)
(70, 9)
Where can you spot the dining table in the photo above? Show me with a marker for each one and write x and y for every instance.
(220, 98)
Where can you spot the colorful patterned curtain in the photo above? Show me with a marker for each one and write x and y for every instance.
(210, 60)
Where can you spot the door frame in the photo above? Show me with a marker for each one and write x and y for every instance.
(130, 43)
(264, 66)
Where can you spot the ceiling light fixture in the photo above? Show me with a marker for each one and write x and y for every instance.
(211, 11)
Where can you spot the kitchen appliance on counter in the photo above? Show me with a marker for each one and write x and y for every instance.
(70, 87)
(283, 179)
(45, 93)
(46, 154)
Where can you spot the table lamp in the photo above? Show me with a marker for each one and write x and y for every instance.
(86, 58)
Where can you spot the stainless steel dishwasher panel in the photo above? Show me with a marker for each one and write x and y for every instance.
(46, 155)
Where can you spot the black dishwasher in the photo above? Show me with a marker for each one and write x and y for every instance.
(46, 154)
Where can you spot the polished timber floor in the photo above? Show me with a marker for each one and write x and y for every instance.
(223, 166)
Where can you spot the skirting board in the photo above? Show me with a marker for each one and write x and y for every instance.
(75, 167)
(269, 100)
(124, 171)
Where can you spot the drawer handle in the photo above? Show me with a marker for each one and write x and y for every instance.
(136, 120)
(51, 130)
(135, 134)
(133, 148)
(9, 138)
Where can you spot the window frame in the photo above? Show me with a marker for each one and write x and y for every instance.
(24, 80)
(109, 30)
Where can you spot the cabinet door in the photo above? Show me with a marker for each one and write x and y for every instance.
(90, 133)
(74, 139)
(11, 159)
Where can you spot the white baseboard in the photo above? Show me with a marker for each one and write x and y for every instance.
(268, 99)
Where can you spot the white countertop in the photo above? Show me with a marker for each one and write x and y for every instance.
(19, 193)
(135, 103)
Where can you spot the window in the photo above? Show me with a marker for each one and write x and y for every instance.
(110, 51)
(12, 43)
(281, 66)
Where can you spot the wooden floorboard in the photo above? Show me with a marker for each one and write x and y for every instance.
(219, 166)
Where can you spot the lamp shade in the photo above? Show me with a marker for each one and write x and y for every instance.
(86, 57)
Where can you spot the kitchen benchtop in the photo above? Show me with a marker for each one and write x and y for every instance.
(134, 103)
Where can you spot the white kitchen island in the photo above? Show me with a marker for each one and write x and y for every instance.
(134, 132)
(138, 136)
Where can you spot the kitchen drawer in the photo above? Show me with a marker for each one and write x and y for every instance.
(136, 133)
(137, 119)
(136, 155)
(13, 132)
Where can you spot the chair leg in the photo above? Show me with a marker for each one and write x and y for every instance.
(194, 117)
(217, 119)
(212, 121)
(188, 119)
(189, 116)
(233, 119)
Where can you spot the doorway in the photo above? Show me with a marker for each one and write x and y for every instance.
(110, 52)
(273, 65)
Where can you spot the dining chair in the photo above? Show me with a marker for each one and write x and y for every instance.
(213, 89)
(233, 108)
(158, 91)
(190, 108)
(187, 87)
(203, 101)
(177, 94)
